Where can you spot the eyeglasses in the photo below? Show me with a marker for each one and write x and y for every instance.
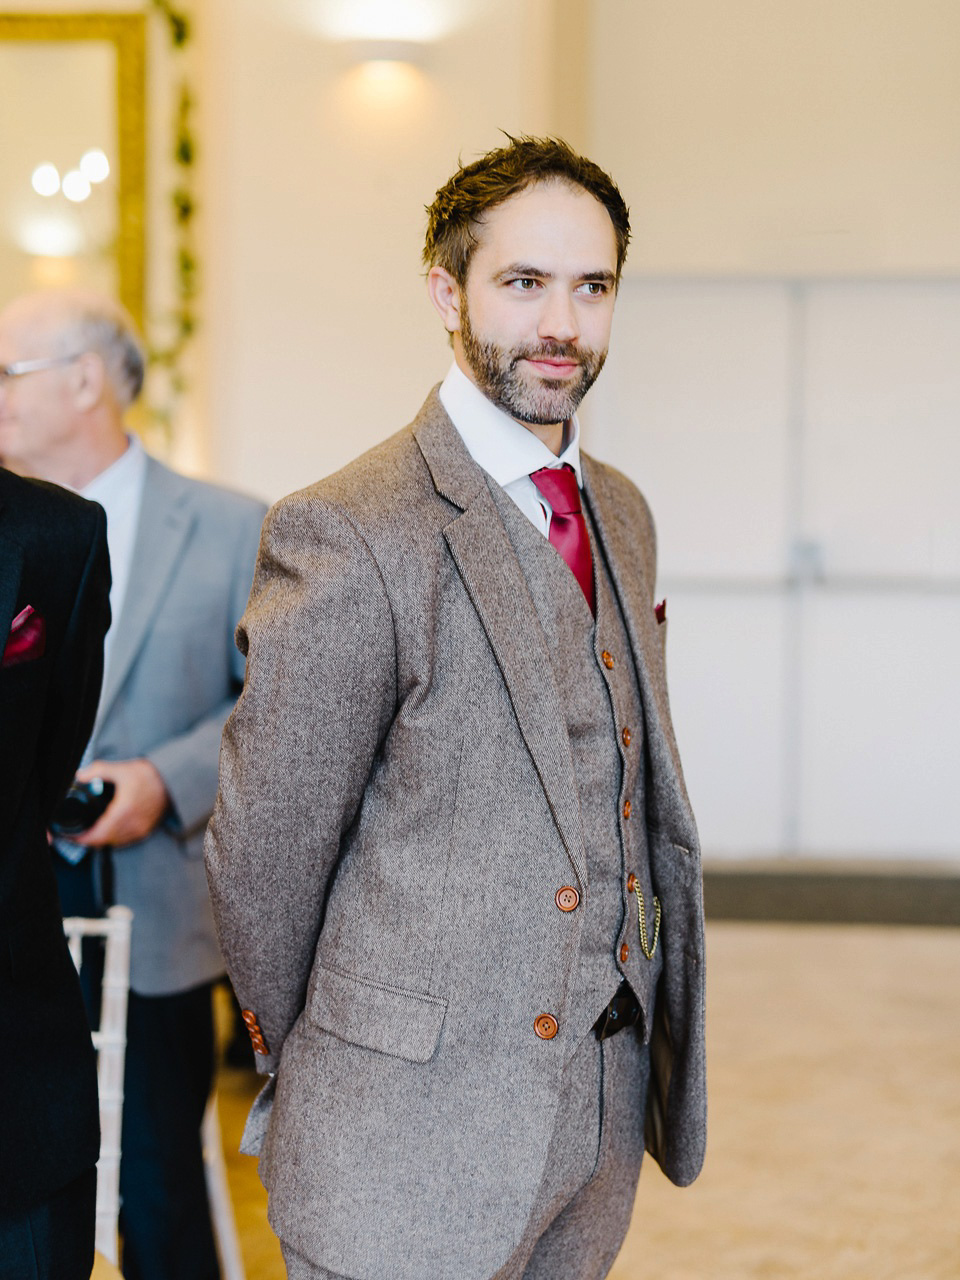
(20, 367)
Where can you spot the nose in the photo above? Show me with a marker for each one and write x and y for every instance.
(558, 319)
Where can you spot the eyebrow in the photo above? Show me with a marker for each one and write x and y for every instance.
(527, 269)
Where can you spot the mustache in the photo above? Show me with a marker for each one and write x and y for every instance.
(551, 351)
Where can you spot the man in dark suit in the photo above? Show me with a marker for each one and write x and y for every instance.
(182, 553)
(453, 862)
(54, 613)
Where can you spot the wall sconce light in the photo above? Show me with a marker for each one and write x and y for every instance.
(411, 52)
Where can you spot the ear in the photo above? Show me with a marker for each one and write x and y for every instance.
(445, 295)
(91, 380)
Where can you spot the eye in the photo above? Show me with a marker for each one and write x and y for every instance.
(523, 284)
(594, 288)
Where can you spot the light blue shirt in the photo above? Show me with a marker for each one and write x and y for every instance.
(119, 490)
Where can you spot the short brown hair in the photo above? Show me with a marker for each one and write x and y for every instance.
(459, 206)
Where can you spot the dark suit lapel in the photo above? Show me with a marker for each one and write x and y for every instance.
(492, 575)
(11, 559)
(166, 517)
(635, 595)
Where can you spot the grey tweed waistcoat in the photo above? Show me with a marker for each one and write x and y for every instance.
(594, 672)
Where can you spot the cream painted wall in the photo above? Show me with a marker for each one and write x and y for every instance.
(751, 137)
(320, 339)
(783, 136)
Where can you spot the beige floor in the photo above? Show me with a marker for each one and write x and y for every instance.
(834, 1117)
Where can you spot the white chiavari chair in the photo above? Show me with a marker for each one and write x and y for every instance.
(110, 1042)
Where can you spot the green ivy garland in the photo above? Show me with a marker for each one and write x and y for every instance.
(169, 355)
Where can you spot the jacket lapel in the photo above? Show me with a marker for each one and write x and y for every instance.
(635, 594)
(492, 575)
(166, 517)
(11, 560)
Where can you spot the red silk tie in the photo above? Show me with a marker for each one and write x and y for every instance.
(568, 529)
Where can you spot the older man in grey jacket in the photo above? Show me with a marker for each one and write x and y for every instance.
(453, 863)
(182, 555)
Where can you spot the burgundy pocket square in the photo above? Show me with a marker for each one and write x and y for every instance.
(27, 639)
(661, 611)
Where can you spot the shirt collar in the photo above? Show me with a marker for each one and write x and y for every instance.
(121, 475)
(504, 448)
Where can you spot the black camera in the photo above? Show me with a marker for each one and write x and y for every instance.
(81, 807)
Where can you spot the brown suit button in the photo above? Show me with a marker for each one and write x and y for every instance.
(627, 737)
(607, 659)
(546, 1026)
(627, 809)
(624, 953)
(567, 898)
(249, 1017)
(631, 883)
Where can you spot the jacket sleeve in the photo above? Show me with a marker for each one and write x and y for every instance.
(297, 751)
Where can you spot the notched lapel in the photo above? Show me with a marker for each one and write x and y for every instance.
(166, 517)
(494, 580)
(11, 558)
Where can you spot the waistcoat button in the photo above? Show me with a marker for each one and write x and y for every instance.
(607, 659)
(624, 953)
(627, 737)
(567, 899)
(546, 1026)
(627, 809)
(631, 882)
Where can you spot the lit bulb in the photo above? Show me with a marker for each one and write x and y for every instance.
(95, 166)
(45, 180)
(75, 186)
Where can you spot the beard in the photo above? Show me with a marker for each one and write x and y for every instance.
(520, 392)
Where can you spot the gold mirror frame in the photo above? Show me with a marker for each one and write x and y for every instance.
(127, 33)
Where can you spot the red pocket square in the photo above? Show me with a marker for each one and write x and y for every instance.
(27, 639)
(661, 611)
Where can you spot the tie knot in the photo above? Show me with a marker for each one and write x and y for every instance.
(559, 486)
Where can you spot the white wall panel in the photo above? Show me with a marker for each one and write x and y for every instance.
(881, 730)
(882, 409)
(725, 656)
(693, 406)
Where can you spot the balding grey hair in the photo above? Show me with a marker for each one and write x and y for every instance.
(105, 327)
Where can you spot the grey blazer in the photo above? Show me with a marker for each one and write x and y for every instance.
(174, 675)
(397, 805)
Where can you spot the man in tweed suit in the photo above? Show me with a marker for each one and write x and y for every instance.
(453, 863)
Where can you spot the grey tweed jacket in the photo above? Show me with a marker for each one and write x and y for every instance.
(397, 808)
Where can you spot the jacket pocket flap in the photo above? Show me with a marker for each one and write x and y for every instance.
(405, 1024)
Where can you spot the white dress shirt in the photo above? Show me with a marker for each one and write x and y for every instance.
(119, 490)
(504, 448)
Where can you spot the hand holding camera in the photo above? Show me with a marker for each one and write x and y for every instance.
(123, 801)
(81, 807)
